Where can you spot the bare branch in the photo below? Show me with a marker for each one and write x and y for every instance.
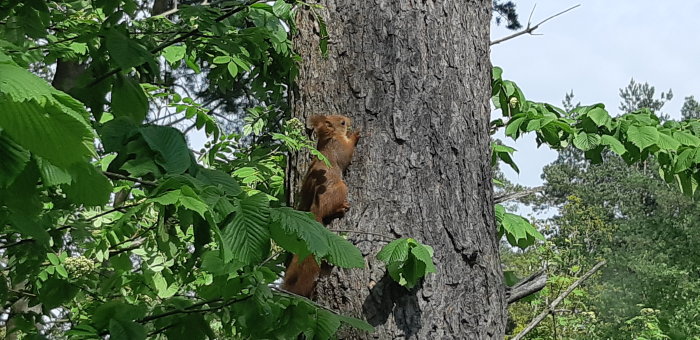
(529, 29)
(516, 195)
(528, 286)
(363, 232)
(557, 301)
(113, 175)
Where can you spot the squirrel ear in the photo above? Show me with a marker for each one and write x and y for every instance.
(316, 121)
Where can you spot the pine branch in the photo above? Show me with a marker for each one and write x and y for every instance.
(529, 29)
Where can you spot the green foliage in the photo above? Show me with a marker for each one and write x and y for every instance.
(636, 136)
(642, 226)
(407, 261)
(518, 231)
(108, 218)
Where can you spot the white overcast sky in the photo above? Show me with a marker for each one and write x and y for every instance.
(594, 50)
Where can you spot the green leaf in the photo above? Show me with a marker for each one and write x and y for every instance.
(247, 236)
(53, 259)
(190, 200)
(126, 330)
(298, 232)
(116, 310)
(281, 8)
(43, 120)
(174, 155)
(30, 228)
(89, 186)
(425, 254)
(686, 138)
(599, 116)
(14, 159)
(586, 141)
(643, 136)
(513, 127)
(55, 292)
(343, 253)
(395, 251)
(126, 52)
(613, 143)
(222, 59)
(357, 323)
(232, 69)
(667, 142)
(327, 324)
(174, 53)
(220, 179)
(685, 160)
(52, 175)
(128, 99)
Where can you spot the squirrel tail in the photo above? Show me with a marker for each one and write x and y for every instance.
(301, 278)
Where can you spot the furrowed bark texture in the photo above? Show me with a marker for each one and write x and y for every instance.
(415, 78)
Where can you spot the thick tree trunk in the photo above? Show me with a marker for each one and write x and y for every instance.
(415, 78)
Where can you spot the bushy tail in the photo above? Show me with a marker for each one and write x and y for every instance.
(301, 278)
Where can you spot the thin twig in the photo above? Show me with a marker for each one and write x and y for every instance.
(363, 232)
(558, 300)
(529, 28)
(313, 303)
(124, 207)
(113, 175)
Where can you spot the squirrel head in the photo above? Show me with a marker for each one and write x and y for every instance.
(328, 126)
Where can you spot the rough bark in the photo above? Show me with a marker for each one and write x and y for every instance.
(415, 78)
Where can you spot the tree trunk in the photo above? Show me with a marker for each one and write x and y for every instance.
(415, 78)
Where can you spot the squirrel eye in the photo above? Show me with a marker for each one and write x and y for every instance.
(342, 123)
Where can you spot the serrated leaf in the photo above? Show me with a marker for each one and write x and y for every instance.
(174, 155)
(643, 136)
(686, 138)
(126, 52)
(89, 186)
(247, 237)
(221, 179)
(327, 324)
(586, 141)
(126, 330)
(343, 253)
(613, 143)
(599, 116)
(423, 254)
(357, 323)
(667, 142)
(128, 99)
(292, 226)
(43, 120)
(395, 251)
(14, 159)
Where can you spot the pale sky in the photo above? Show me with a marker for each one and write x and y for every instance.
(594, 50)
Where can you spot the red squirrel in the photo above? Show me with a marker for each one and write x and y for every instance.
(323, 192)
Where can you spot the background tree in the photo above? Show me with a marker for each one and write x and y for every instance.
(636, 221)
